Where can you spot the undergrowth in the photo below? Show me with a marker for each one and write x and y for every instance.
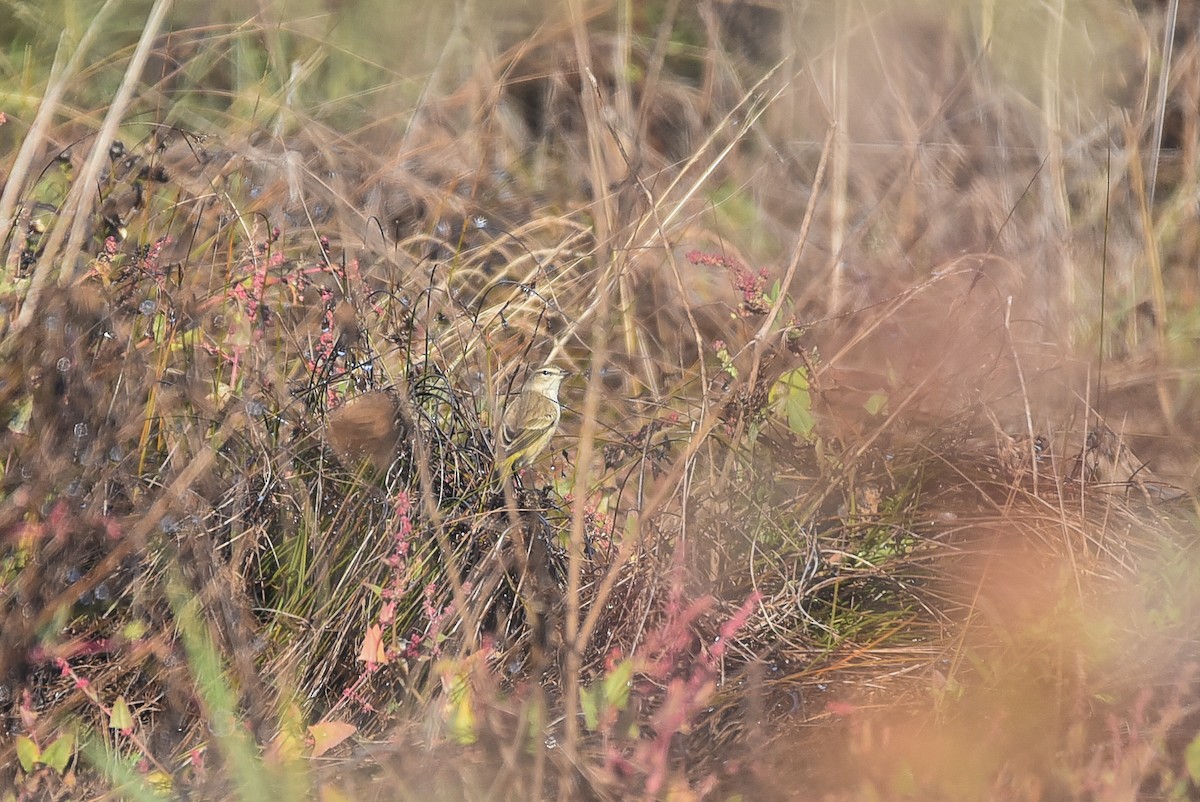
(839, 507)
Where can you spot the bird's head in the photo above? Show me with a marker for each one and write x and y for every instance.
(546, 380)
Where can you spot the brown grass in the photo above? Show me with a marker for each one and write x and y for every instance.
(873, 486)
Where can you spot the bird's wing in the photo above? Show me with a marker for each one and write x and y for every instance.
(537, 414)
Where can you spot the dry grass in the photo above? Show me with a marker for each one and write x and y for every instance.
(878, 321)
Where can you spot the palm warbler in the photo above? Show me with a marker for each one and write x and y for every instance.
(531, 420)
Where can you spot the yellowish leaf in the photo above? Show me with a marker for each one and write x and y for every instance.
(160, 781)
(328, 734)
(330, 794)
(120, 718)
(372, 648)
(58, 754)
(28, 753)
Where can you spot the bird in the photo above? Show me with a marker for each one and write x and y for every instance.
(531, 420)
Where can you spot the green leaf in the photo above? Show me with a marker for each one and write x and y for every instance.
(535, 723)
(58, 754)
(607, 695)
(160, 781)
(134, 630)
(589, 702)
(120, 718)
(28, 753)
(22, 415)
(791, 395)
(617, 685)
(159, 327)
(1191, 758)
(876, 403)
